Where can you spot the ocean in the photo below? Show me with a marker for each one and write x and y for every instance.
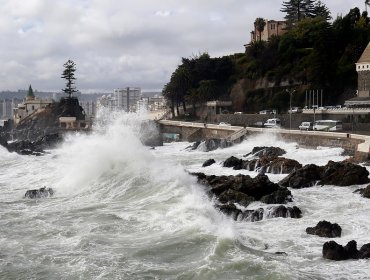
(122, 210)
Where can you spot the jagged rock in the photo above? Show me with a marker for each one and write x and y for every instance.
(233, 162)
(325, 229)
(280, 196)
(194, 146)
(304, 177)
(235, 197)
(208, 162)
(365, 192)
(40, 193)
(3, 142)
(268, 151)
(282, 165)
(333, 251)
(230, 210)
(284, 212)
(213, 144)
(344, 174)
(252, 215)
(271, 212)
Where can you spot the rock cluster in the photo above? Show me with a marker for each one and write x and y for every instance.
(243, 190)
(325, 229)
(333, 251)
(334, 173)
(26, 147)
(39, 193)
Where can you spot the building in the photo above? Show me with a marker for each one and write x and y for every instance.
(121, 99)
(89, 108)
(31, 105)
(363, 81)
(272, 28)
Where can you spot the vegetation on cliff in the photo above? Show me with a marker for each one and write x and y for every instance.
(312, 54)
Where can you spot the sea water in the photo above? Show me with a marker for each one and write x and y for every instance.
(124, 211)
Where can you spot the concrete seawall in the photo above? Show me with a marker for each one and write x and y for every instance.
(353, 144)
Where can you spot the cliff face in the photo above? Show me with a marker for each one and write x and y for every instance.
(46, 122)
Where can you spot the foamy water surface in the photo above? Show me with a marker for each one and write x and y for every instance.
(124, 211)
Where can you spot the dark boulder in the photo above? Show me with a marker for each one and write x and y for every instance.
(280, 196)
(235, 197)
(39, 193)
(208, 162)
(304, 177)
(230, 210)
(365, 251)
(333, 251)
(344, 174)
(256, 187)
(268, 151)
(3, 142)
(233, 162)
(325, 229)
(282, 165)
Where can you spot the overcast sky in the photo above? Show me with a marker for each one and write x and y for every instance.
(122, 43)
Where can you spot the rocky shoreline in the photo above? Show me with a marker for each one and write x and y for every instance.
(233, 194)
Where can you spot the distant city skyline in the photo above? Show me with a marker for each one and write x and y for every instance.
(123, 43)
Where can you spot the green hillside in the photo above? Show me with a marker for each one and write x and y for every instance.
(313, 54)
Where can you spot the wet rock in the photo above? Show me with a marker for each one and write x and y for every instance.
(281, 253)
(268, 151)
(365, 251)
(252, 215)
(304, 177)
(235, 197)
(365, 192)
(325, 229)
(234, 163)
(344, 174)
(39, 193)
(284, 212)
(282, 166)
(208, 162)
(3, 142)
(230, 210)
(213, 144)
(333, 251)
(280, 196)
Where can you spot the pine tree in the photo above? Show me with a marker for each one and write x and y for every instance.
(320, 10)
(298, 9)
(68, 74)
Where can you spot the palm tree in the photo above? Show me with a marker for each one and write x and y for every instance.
(259, 25)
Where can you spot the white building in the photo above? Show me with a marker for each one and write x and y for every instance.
(121, 99)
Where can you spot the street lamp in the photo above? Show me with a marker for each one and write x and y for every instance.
(290, 106)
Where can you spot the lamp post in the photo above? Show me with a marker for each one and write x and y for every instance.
(290, 106)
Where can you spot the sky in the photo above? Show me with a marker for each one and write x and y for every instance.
(115, 44)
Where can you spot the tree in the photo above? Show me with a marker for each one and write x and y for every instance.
(320, 10)
(68, 74)
(297, 9)
(259, 24)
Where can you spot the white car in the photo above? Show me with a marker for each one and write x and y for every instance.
(224, 124)
(306, 126)
(272, 123)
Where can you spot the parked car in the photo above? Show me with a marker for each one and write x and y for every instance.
(224, 124)
(296, 110)
(306, 126)
(272, 123)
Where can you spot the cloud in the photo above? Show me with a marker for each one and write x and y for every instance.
(122, 43)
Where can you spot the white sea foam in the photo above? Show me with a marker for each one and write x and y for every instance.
(122, 210)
